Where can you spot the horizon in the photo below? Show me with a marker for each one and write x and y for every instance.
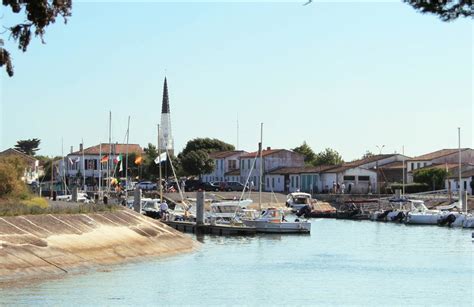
(316, 73)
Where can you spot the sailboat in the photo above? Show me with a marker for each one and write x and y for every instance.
(272, 220)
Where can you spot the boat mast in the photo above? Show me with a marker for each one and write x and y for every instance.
(459, 170)
(83, 167)
(100, 166)
(126, 160)
(260, 148)
(159, 166)
(403, 171)
(110, 151)
(64, 165)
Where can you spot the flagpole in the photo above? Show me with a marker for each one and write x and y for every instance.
(126, 160)
(459, 172)
(64, 165)
(83, 167)
(159, 165)
(110, 151)
(100, 166)
(403, 171)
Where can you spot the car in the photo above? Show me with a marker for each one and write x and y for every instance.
(210, 186)
(232, 186)
(191, 185)
(147, 185)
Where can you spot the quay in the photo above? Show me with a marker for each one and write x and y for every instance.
(221, 230)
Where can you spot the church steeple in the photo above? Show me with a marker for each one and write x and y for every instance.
(165, 105)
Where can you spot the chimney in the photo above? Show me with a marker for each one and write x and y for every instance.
(81, 147)
(269, 148)
(72, 149)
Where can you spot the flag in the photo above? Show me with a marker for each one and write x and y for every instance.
(138, 160)
(120, 167)
(70, 161)
(104, 159)
(118, 159)
(77, 159)
(160, 158)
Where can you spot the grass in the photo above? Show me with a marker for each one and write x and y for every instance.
(38, 205)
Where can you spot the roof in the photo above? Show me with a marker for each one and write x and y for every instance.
(370, 159)
(437, 154)
(265, 152)
(224, 154)
(13, 151)
(300, 170)
(448, 166)
(398, 165)
(465, 174)
(105, 148)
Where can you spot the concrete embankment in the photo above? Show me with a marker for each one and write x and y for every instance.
(39, 246)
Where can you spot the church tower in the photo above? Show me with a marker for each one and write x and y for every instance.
(166, 136)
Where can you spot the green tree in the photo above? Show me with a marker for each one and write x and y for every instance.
(11, 171)
(447, 10)
(39, 14)
(207, 144)
(29, 147)
(197, 162)
(47, 164)
(307, 152)
(328, 157)
(433, 177)
(368, 154)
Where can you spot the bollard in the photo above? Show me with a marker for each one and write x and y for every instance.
(200, 208)
(74, 194)
(137, 200)
(55, 194)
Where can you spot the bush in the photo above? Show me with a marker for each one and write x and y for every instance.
(11, 185)
(411, 188)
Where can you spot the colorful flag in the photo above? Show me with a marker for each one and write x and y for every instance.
(120, 167)
(138, 160)
(118, 159)
(160, 158)
(104, 159)
(70, 161)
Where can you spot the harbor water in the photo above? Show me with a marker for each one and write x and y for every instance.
(339, 263)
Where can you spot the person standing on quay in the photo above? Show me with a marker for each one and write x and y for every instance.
(343, 187)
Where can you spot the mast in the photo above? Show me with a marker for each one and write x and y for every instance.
(126, 160)
(159, 166)
(83, 167)
(260, 148)
(64, 165)
(100, 166)
(110, 151)
(403, 171)
(459, 170)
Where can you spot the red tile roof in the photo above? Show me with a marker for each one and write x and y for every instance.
(266, 152)
(369, 159)
(224, 154)
(13, 151)
(116, 149)
(436, 154)
(465, 174)
(393, 165)
(300, 170)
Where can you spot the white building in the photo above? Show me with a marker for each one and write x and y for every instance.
(272, 160)
(226, 166)
(440, 157)
(86, 162)
(467, 179)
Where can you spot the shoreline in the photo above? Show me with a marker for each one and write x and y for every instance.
(37, 247)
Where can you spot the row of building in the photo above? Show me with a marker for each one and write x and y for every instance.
(283, 170)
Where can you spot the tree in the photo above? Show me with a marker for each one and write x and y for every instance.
(29, 147)
(328, 157)
(447, 10)
(207, 144)
(11, 171)
(307, 152)
(39, 15)
(197, 162)
(433, 177)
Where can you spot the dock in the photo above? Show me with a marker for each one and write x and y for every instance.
(220, 229)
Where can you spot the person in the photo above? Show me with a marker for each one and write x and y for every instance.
(343, 187)
(338, 187)
(183, 185)
(163, 209)
(334, 187)
(350, 188)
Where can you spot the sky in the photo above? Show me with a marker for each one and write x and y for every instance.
(351, 76)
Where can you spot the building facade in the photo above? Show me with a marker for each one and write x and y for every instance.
(33, 170)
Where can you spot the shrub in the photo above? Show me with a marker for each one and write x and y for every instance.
(411, 187)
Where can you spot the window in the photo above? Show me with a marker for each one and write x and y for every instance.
(412, 165)
(364, 178)
(268, 182)
(292, 182)
(418, 165)
(232, 164)
(248, 164)
(465, 185)
(349, 178)
(273, 182)
(297, 183)
(278, 180)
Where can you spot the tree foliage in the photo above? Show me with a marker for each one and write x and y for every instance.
(207, 144)
(447, 10)
(197, 162)
(307, 152)
(39, 15)
(29, 147)
(11, 171)
(328, 157)
(433, 177)
(368, 154)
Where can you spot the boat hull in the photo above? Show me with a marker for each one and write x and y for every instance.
(282, 227)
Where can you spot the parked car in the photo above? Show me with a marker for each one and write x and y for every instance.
(147, 185)
(191, 185)
(210, 186)
(232, 186)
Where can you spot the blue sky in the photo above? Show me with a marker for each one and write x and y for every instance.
(344, 75)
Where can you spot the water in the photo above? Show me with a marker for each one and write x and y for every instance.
(340, 263)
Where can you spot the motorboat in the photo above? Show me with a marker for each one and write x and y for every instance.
(420, 214)
(151, 207)
(351, 211)
(317, 211)
(272, 220)
(227, 212)
(297, 200)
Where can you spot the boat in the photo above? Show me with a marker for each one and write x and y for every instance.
(420, 214)
(297, 200)
(227, 212)
(272, 220)
(351, 212)
(317, 211)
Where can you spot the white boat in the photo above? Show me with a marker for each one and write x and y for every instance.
(272, 220)
(419, 214)
(297, 200)
(81, 198)
(228, 212)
